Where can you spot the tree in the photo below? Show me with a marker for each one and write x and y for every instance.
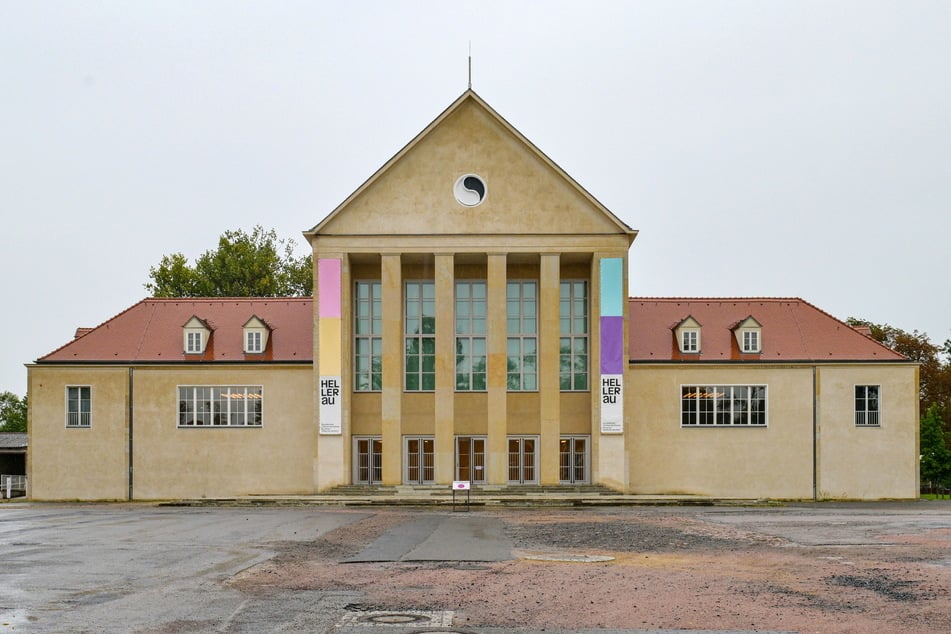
(244, 265)
(935, 456)
(12, 412)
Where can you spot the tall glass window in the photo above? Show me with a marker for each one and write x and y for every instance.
(368, 337)
(78, 406)
(470, 336)
(521, 298)
(573, 318)
(420, 336)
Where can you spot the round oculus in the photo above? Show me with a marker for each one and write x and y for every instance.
(469, 190)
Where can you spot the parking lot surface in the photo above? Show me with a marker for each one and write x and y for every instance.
(798, 568)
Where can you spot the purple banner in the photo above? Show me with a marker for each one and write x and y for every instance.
(612, 345)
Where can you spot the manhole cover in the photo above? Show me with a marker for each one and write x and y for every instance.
(582, 559)
(397, 618)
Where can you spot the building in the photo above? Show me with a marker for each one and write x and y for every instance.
(470, 322)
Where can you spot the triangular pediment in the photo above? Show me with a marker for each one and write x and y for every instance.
(422, 189)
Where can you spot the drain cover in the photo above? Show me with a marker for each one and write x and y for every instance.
(397, 618)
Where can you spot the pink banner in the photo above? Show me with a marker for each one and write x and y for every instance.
(328, 288)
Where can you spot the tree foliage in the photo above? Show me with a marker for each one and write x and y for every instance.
(935, 455)
(12, 412)
(255, 264)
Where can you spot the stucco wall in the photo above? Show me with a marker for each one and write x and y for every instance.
(170, 461)
(743, 462)
(78, 463)
(868, 462)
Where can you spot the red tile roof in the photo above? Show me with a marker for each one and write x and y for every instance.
(151, 331)
(792, 330)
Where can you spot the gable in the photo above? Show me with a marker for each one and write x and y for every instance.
(526, 193)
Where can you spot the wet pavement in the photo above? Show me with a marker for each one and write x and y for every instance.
(141, 568)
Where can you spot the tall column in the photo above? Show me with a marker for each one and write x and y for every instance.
(497, 371)
(445, 368)
(548, 366)
(392, 397)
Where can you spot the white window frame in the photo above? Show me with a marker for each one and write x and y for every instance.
(574, 340)
(865, 415)
(690, 340)
(79, 415)
(586, 457)
(478, 469)
(427, 466)
(522, 341)
(751, 341)
(193, 342)
(252, 341)
(716, 398)
(214, 400)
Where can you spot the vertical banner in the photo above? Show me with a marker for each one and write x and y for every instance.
(328, 314)
(612, 346)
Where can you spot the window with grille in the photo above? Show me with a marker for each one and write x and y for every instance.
(470, 336)
(420, 337)
(368, 337)
(723, 405)
(573, 327)
(522, 343)
(220, 406)
(78, 406)
(867, 405)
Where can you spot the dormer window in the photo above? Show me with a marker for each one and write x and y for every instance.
(256, 332)
(751, 341)
(749, 336)
(196, 333)
(688, 336)
(690, 341)
(193, 342)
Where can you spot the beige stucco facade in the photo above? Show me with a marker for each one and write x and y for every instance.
(168, 461)
(406, 224)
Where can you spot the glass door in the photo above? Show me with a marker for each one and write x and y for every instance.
(418, 460)
(368, 462)
(522, 459)
(573, 460)
(470, 459)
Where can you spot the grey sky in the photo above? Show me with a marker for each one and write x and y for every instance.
(761, 148)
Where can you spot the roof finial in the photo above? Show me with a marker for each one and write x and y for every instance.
(470, 64)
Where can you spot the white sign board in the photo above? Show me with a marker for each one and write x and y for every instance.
(612, 404)
(330, 406)
(460, 485)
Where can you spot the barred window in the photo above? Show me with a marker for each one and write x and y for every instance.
(219, 406)
(78, 406)
(573, 326)
(470, 336)
(368, 337)
(867, 405)
(522, 343)
(723, 405)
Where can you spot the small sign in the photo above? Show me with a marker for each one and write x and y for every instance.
(460, 485)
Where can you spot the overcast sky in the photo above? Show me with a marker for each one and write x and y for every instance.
(761, 148)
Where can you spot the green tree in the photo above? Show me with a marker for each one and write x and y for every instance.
(12, 412)
(935, 456)
(255, 264)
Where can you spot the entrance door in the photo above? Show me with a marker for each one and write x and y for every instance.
(419, 461)
(573, 459)
(470, 459)
(522, 459)
(368, 462)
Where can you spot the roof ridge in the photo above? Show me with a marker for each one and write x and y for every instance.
(715, 299)
(280, 298)
(839, 321)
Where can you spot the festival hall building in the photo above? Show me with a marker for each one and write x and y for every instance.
(470, 322)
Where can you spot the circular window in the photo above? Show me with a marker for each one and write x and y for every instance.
(469, 190)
